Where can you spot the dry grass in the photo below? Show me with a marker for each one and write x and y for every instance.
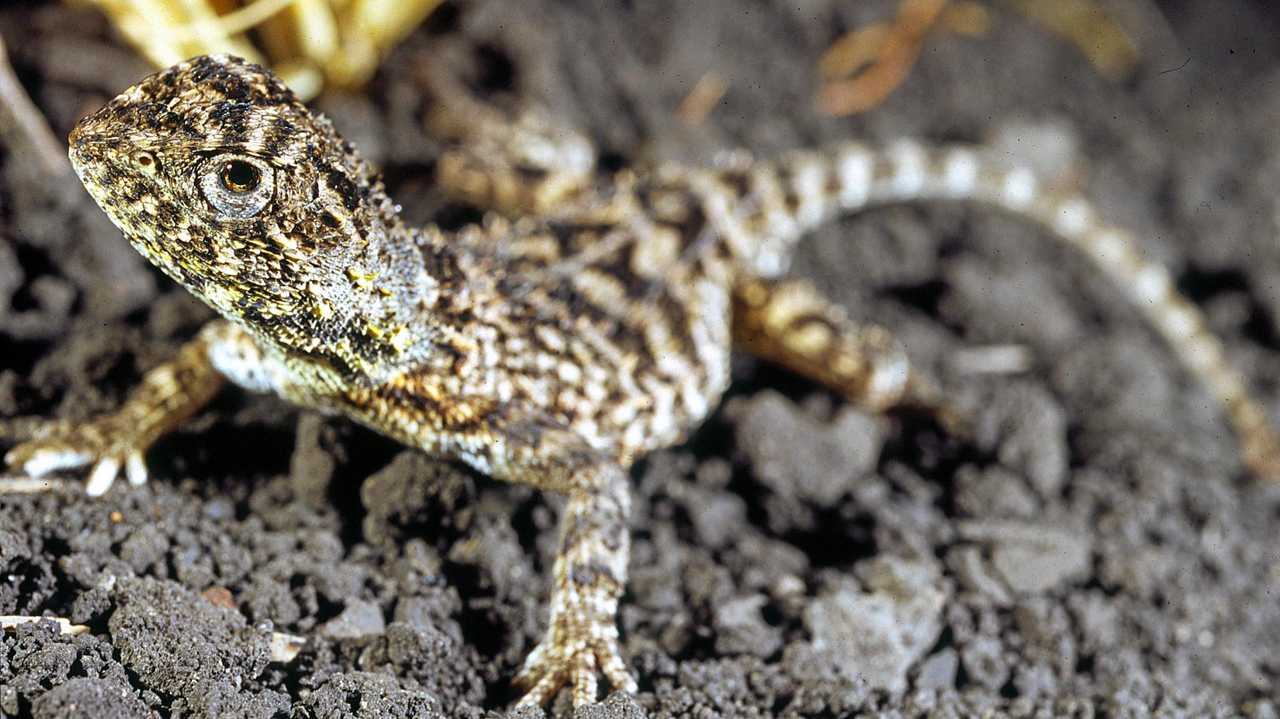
(309, 43)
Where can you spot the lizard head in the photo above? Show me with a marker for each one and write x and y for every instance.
(218, 175)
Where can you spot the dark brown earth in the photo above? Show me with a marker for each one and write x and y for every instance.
(1094, 551)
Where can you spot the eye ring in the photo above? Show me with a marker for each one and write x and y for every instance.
(236, 186)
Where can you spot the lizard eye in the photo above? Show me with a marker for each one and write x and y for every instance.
(240, 177)
(237, 186)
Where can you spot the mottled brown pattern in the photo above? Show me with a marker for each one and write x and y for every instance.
(587, 321)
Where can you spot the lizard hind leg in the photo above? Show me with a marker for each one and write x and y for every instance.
(517, 162)
(789, 322)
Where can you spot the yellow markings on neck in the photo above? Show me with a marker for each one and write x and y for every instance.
(320, 307)
(284, 241)
(400, 339)
(361, 277)
(221, 296)
(364, 279)
(291, 246)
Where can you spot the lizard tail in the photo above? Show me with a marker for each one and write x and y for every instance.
(768, 207)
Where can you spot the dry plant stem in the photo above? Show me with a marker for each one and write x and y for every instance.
(853, 51)
(702, 99)
(310, 43)
(891, 51)
(1146, 24)
(233, 23)
(1111, 51)
(23, 116)
(165, 32)
(65, 627)
(32, 485)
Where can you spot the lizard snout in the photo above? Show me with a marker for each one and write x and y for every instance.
(85, 142)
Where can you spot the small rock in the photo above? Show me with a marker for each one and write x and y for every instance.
(359, 619)
(219, 597)
(84, 697)
(796, 456)
(985, 662)
(312, 465)
(178, 644)
(1028, 430)
(617, 706)
(939, 670)
(1031, 559)
(879, 634)
(740, 628)
(360, 695)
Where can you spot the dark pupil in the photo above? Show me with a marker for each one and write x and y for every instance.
(240, 176)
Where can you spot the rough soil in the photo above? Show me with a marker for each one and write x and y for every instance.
(1095, 549)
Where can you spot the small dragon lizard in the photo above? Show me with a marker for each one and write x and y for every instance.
(588, 320)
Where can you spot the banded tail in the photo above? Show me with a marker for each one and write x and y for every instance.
(763, 209)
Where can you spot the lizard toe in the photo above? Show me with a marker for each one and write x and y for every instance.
(550, 667)
(36, 459)
(106, 448)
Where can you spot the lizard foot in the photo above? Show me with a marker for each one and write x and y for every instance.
(581, 643)
(108, 443)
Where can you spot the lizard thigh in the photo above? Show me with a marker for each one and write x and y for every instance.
(789, 322)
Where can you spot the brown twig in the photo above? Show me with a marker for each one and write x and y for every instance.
(899, 47)
(702, 99)
(866, 65)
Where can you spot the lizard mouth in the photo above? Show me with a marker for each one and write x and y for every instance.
(85, 147)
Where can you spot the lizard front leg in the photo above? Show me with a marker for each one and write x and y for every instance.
(168, 395)
(590, 570)
(589, 576)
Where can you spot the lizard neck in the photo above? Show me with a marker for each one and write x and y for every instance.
(383, 306)
(395, 303)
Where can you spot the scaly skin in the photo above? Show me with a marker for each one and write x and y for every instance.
(552, 345)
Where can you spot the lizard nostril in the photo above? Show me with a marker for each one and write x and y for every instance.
(81, 137)
(74, 138)
(89, 142)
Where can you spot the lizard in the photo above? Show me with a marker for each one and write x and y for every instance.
(588, 318)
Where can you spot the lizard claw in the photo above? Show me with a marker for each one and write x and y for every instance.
(575, 651)
(103, 443)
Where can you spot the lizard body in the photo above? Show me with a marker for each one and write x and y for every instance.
(588, 322)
